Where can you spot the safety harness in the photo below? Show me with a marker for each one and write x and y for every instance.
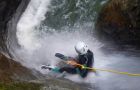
(73, 63)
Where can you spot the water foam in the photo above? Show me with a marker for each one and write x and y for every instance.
(31, 19)
(36, 50)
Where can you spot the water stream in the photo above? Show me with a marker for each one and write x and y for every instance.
(40, 40)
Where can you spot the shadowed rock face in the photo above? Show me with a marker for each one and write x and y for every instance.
(51, 83)
(7, 9)
(11, 70)
(10, 12)
(120, 21)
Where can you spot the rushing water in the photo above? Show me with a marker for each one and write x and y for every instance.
(39, 42)
(47, 27)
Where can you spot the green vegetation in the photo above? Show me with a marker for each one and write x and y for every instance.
(20, 86)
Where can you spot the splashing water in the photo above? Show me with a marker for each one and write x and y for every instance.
(38, 47)
(30, 20)
(40, 43)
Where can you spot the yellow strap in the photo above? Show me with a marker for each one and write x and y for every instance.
(106, 70)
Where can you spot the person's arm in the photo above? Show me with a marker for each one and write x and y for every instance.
(88, 63)
(83, 72)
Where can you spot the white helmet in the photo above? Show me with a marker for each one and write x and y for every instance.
(81, 48)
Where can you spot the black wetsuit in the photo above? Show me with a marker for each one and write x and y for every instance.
(86, 60)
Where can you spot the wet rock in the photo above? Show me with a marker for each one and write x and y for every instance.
(20, 86)
(119, 21)
(8, 10)
(51, 83)
(11, 70)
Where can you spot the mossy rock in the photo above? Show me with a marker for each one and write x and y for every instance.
(20, 86)
(10, 70)
(120, 21)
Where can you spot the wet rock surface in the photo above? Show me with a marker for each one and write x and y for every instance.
(119, 21)
(9, 9)
(51, 83)
(11, 70)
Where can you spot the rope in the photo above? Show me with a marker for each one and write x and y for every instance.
(71, 62)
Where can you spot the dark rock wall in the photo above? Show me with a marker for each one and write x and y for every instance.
(12, 42)
(119, 21)
(11, 70)
(8, 10)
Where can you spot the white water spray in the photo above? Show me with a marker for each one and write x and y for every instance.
(36, 51)
(31, 19)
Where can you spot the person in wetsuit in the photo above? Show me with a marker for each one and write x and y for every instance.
(85, 57)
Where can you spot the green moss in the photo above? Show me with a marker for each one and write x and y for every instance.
(20, 86)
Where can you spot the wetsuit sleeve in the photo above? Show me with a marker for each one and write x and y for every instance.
(83, 72)
(87, 61)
